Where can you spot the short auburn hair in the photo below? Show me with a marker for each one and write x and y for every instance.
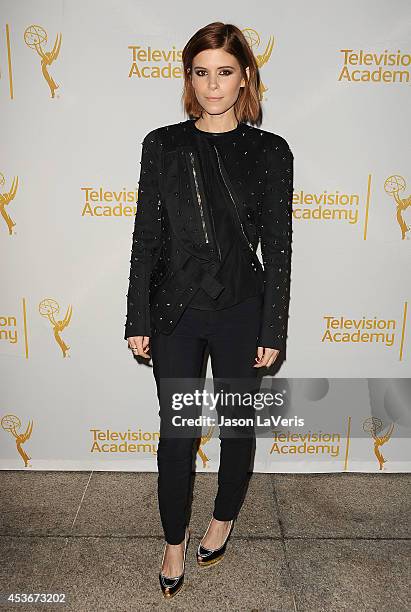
(218, 35)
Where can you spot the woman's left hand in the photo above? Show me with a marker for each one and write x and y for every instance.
(265, 357)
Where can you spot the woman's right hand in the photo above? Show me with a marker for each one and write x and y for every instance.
(139, 345)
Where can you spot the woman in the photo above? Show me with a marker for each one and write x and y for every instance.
(210, 189)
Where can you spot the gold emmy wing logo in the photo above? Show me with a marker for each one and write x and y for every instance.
(393, 186)
(48, 308)
(5, 198)
(374, 426)
(12, 423)
(35, 36)
(204, 440)
(253, 39)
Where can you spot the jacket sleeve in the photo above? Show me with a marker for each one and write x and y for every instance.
(276, 237)
(146, 240)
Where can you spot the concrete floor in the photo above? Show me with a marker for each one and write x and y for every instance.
(302, 542)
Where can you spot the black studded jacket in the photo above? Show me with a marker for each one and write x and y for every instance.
(174, 234)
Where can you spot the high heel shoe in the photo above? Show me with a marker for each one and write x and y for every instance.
(171, 586)
(211, 556)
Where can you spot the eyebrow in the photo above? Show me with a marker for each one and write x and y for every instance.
(219, 68)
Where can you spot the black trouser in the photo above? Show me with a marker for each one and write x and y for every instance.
(232, 337)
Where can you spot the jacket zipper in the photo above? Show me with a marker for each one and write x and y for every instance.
(231, 196)
(198, 197)
(199, 200)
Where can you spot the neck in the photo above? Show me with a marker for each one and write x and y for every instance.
(216, 123)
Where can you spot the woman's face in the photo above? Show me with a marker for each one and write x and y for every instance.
(216, 78)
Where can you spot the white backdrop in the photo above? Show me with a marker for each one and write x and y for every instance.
(337, 88)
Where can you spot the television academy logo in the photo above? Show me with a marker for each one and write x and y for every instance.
(149, 63)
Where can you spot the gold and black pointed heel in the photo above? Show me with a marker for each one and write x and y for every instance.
(208, 556)
(171, 586)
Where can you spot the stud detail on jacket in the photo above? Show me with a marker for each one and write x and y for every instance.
(259, 167)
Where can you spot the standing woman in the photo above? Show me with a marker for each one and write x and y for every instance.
(211, 189)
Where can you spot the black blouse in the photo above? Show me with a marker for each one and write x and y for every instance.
(236, 272)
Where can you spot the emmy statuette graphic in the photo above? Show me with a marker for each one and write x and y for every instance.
(204, 440)
(35, 36)
(374, 426)
(48, 308)
(393, 186)
(5, 198)
(253, 39)
(12, 423)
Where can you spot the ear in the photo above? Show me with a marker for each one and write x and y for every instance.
(248, 76)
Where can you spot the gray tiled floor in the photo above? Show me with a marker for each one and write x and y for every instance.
(302, 542)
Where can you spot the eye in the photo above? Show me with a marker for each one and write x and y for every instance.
(223, 72)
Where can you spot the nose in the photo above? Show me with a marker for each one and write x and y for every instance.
(212, 83)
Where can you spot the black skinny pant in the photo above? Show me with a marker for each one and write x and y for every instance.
(231, 334)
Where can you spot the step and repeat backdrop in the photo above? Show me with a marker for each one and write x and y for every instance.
(81, 84)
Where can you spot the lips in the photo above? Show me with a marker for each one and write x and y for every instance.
(213, 99)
